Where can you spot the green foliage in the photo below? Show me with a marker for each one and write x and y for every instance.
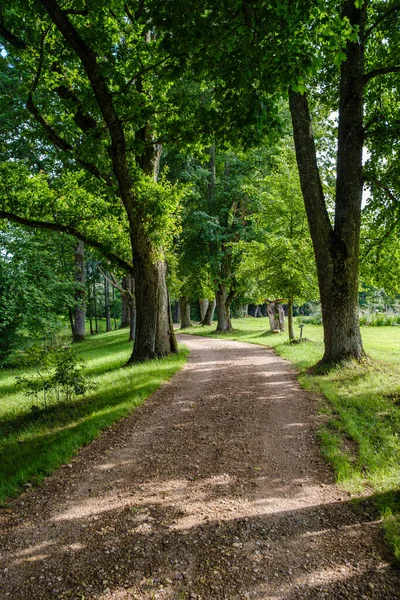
(158, 208)
(280, 262)
(36, 286)
(59, 374)
(72, 201)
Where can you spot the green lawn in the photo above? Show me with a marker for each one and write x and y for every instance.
(361, 435)
(33, 444)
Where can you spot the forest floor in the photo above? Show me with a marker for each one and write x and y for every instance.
(213, 489)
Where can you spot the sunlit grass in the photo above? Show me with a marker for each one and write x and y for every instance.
(32, 445)
(361, 404)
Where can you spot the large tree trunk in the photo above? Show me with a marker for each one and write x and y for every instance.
(154, 335)
(184, 309)
(203, 305)
(276, 316)
(337, 247)
(223, 308)
(208, 317)
(80, 295)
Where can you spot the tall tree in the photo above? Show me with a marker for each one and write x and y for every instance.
(338, 47)
(83, 72)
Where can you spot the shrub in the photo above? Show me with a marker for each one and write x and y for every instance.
(59, 375)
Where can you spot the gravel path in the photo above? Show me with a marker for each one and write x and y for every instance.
(214, 489)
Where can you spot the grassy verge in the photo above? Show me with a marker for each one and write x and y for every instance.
(34, 443)
(361, 435)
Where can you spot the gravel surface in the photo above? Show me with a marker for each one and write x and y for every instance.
(214, 489)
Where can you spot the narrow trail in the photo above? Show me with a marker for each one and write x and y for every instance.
(214, 489)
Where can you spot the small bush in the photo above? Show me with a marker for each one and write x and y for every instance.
(59, 375)
(311, 320)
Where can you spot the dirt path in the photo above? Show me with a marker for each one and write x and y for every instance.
(215, 489)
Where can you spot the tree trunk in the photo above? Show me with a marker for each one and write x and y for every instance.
(203, 304)
(125, 303)
(132, 309)
(252, 310)
(184, 307)
(80, 296)
(276, 316)
(96, 321)
(177, 312)
(208, 317)
(154, 335)
(107, 305)
(71, 320)
(89, 296)
(114, 308)
(290, 319)
(337, 247)
(223, 309)
(245, 310)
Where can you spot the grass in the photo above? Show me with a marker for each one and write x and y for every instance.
(34, 443)
(361, 403)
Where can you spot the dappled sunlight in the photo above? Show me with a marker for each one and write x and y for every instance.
(214, 489)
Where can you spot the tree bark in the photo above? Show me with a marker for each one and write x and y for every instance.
(128, 305)
(208, 317)
(80, 295)
(336, 247)
(223, 308)
(276, 316)
(203, 304)
(107, 305)
(71, 320)
(89, 296)
(177, 312)
(154, 335)
(290, 319)
(125, 304)
(184, 308)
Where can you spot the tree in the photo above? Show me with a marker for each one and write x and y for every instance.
(37, 286)
(301, 47)
(279, 263)
(83, 82)
(216, 218)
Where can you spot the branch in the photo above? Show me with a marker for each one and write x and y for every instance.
(126, 266)
(83, 12)
(129, 14)
(381, 71)
(63, 145)
(53, 135)
(390, 11)
(128, 295)
(11, 38)
(84, 121)
(98, 83)
(388, 230)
